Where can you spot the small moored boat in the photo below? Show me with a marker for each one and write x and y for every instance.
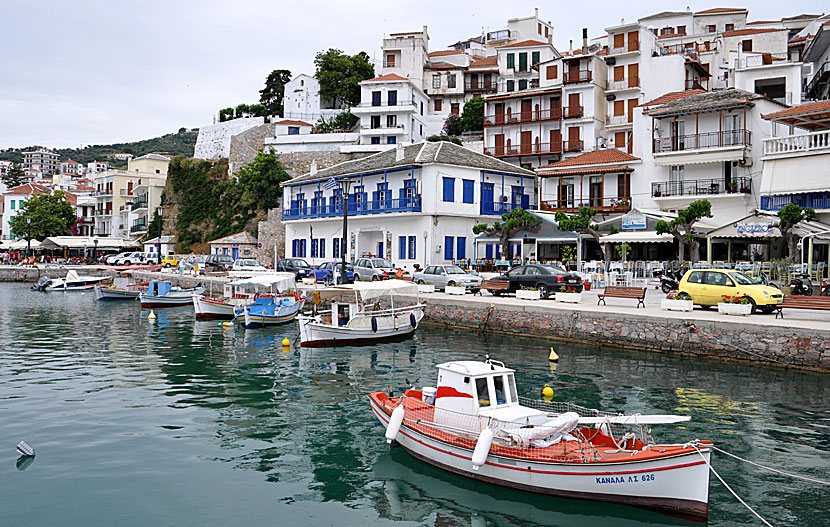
(122, 288)
(474, 424)
(280, 303)
(162, 294)
(362, 313)
(71, 282)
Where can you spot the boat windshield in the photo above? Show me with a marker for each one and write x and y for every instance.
(741, 278)
(481, 390)
(511, 386)
(498, 385)
(454, 269)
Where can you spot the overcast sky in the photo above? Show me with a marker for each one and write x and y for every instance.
(81, 72)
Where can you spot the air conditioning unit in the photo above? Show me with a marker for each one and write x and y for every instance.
(610, 97)
(745, 162)
(611, 61)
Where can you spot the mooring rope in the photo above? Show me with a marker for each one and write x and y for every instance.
(805, 478)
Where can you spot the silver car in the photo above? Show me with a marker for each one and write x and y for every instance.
(443, 275)
(373, 269)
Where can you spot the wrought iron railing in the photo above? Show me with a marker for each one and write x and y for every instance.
(702, 187)
(574, 76)
(812, 200)
(520, 149)
(412, 204)
(705, 140)
(601, 204)
(503, 207)
(529, 116)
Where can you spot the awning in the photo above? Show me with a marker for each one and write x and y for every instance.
(22, 244)
(79, 242)
(795, 175)
(282, 281)
(373, 290)
(763, 225)
(637, 237)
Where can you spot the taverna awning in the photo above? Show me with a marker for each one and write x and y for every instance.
(80, 242)
(282, 281)
(637, 237)
(22, 244)
(373, 290)
(763, 225)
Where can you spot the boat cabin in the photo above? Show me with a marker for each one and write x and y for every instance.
(159, 288)
(345, 311)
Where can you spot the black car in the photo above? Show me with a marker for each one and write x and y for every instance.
(298, 266)
(218, 262)
(545, 279)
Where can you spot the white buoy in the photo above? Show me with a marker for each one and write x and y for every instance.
(485, 440)
(395, 423)
(151, 316)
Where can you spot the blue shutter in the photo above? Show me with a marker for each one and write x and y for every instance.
(448, 247)
(335, 250)
(322, 247)
(469, 186)
(449, 189)
(525, 202)
(498, 251)
(412, 242)
(402, 247)
(461, 247)
(488, 251)
(293, 248)
(375, 202)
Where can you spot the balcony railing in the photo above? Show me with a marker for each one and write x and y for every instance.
(632, 81)
(690, 49)
(140, 203)
(822, 76)
(483, 86)
(798, 145)
(524, 149)
(532, 116)
(812, 200)
(126, 193)
(683, 143)
(601, 204)
(573, 112)
(389, 64)
(702, 187)
(617, 120)
(571, 77)
(503, 207)
(692, 84)
(572, 146)
(412, 204)
(139, 225)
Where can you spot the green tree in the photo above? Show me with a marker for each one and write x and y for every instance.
(273, 94)
(452, 125)
(343, 121)
(696, 210)
(583, 223)
(790, 216)
(472, 117)
(340, 75)
(261, 179)
(15, 176)
(511, 223)
(52, 215)
(225, 114)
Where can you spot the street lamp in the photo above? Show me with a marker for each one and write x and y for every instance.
(28, 235)
(344, 185)
(95, 250)
(158, 245)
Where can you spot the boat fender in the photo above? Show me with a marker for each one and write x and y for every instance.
(485, 440)
(395, 423)
(412, 321)
(547, 392)
(374, 324)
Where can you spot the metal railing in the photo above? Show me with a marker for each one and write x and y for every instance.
(601, 204)
(822, 75)
(798, 144)
(630, 47)
(484, 85)
(617, 120)
(572, 146)
(573, 112)
(702, 187)
(502, 207)
(412, 204)
(523, 117)
(690, 49)
(632, 81)
(389, 64)
(812, 200)
(536, 148)
(140, 203)
(571, 77)
(692, 84)
(705, 140)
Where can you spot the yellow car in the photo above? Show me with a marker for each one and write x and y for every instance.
(171, 260)
(707, 287)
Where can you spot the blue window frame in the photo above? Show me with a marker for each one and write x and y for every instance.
(391, 140)
(449, 189)
(469, 190)
(392, 97)
(488, 251)
(293, 130)
(461, 247)
(448, 247)
(401, 247)
(321, 243)
(335, 247)
(412, 247)
(313, 248)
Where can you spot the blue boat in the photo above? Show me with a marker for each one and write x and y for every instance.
(281, 304)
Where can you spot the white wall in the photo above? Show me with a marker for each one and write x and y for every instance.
(214, 140)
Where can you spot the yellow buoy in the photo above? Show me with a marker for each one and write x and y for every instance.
(547, 392)
(151, 316)
(553, 357)
(286, 344)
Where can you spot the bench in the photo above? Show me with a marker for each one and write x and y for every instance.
(494, 285)
(803, 302)
(638, 293)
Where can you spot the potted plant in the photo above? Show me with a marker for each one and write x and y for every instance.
(426, 287)
(657, 193)
(568, 294)
(527, 293)
(677, 301)
(452, 289)
(736, 304)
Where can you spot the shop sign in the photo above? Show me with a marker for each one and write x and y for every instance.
(633, 221)
(755, 229)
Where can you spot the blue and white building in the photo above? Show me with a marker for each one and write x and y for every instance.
(409, 204)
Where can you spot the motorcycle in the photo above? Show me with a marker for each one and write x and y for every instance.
(825, 287)
(669, 282)
(801, 286)
(763, 279)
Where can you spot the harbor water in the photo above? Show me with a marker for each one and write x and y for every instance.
(179, 422)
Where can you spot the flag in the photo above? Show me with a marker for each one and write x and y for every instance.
(330, 184)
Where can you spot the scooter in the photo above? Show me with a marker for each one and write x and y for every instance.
(669, 282)
(825, 288)
(764, 280)
(801, 286)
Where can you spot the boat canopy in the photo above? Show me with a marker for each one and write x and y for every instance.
(373, 290)
(282, 281)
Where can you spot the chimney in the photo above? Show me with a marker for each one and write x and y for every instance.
(313, 166)
(399, 152)
(584, 40)
(536, 11)
(571, 48)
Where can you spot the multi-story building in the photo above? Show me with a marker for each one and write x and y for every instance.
(817, 54)
(302, 100)
(414, 204)
(116, 193)
(95, 167)
(41, 160)
(519, 29)
(392, 111)
(405, 55)
(5, 166)
(444, 82)
(73, 168)
(13, 200)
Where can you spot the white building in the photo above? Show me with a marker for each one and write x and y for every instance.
(13, 200)
(95, 167)
(302, 100)
(413, 204)
(392, 111)
(41, 160)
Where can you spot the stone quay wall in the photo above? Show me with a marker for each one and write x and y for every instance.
(768, 345)
(271, 235)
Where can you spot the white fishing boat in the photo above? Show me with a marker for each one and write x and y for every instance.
(275, 301)
(474, 424)
(71, 282)
(362, 313)
(122, 288)
(162, 294)
(209, 308)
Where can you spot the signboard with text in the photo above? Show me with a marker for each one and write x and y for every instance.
(751, 228)
(633, 221)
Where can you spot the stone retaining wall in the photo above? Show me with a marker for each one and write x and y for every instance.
(769, 345)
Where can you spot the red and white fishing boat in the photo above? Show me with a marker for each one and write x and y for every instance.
(474, 424)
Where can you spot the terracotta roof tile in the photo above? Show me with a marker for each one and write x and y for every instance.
(296, 123)
(443, 67)
(597, 157)
(800, 109)
(487, 61)
(239, 237)
(522, 94)
(29, 188)
(446, 52)
(587, 170)
(525, 43)
(715, 10)
(672, 96)
(751, 31)
(759, 22)
(71, 198)
(387, 77)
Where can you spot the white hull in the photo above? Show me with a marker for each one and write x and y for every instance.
(678, 483)
(283, 314)
(171, 299)
(358, 330)
(105, 293)
(206, 308)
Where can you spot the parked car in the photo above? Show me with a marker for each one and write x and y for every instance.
(171, 260)
(247, 266)
(298, 266)
(149, 258)
(373, 269)
(708, 287)
(325, 271)
(113, 259)
(191, 263)
(218, 262)
(443, 275)
(133, 258)
(543, 278)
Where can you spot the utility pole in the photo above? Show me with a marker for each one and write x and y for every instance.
(344, 185)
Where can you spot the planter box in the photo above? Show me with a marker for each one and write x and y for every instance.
(522, 294)
(676, 305)
(570, 298)
(455, 290)
(735, 309)
(426, 288)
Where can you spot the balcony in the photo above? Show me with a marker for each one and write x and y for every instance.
(575, 76)
(573, 112)
(126, 193)
(572, 146)
(701, 187)
(531, 149)
(369, 107)
(602, 205)
(632, 47)
(628, 83)
(684, 143)
(692, 84)
(617, 120)
(398, 129)
(497, 208)
(389, 64)
(104, 192)
(334, 210)
(533, 116)
(482, 86)
(820, 80)
(139, 203)
(139, 225)
(812, 200)
(798, 145)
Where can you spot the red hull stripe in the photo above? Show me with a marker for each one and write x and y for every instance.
(449, 391)
(557, 473)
